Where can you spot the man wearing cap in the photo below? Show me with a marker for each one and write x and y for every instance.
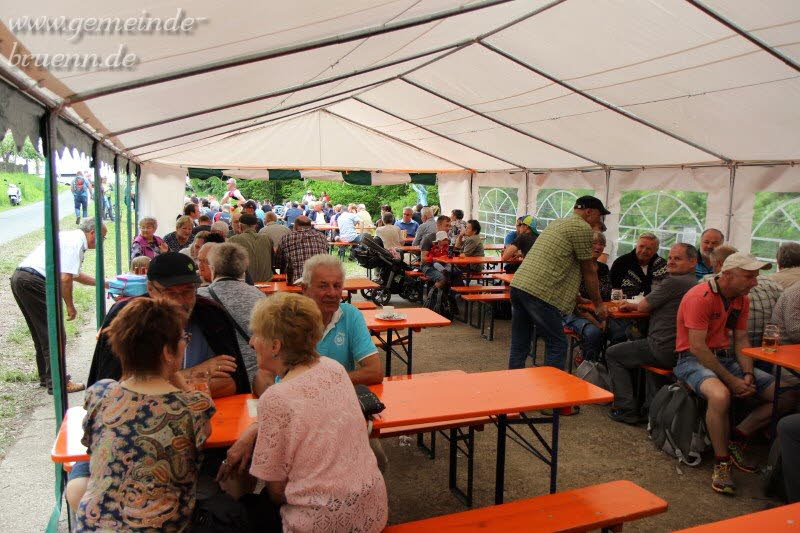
(707, 364)
(233, 194)
(259, 248)
(213, 345)
(636, 271)
(547, 282)
(526, 235)
(249, 208)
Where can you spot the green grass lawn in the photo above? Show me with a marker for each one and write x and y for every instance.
(31, 187)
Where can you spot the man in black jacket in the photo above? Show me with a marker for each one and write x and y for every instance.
(213, 346)
(636, 271)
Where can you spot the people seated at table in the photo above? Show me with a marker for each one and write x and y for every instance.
(228, 264)
(710, 239)
(312, 450)
(143, 433)
(258, 246)
(658, 348)
(407, 223)
(544, 287)
(417, 216)
(789, 438)
(294, 249)
(363, 216)
(182, 236)
(213, 347)
(469, 243)
(432, 246)
(147, 243)
(273, 229)
(426, 227)
(708, 365)
(788, 259)
(386, 208)
(594, 333)
(391, 236)
(524, 237)
(292, 213)
(457, 224)
(347, 222)
(636, 271)
(763, 298)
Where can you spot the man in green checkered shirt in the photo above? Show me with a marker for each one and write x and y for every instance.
(547, 283)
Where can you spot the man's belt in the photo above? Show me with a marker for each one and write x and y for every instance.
(719, 352)
(31, 271)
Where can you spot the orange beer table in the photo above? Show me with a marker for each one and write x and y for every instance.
(497, 394)
(227, 424)
(614, 311)
(350, 285)
(465, 261)
(777, 520)
(416, 319)
(505, 278)
(785, 357)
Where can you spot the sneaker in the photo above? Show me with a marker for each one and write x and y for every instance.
(78, 221)
(722, 480)
(736, 450)
(624, 417)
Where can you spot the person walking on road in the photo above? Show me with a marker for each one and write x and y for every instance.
(29, 289)
(81, 193)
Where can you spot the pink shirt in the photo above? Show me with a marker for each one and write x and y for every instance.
(703, 308)
(312, 434)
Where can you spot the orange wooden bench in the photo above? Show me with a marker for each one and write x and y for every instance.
(487, 301)
(607, 506)
(661, 375)
(365, 306)
(777, 520)
(479, 289)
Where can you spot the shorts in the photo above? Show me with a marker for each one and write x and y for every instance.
(693, 373)
(79, 469)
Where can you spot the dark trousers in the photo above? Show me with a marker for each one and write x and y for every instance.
(623, 359)
(529, 314)
(789, 437)
(30, 293)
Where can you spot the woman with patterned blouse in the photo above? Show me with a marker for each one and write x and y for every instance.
(144, 433)
(182, 236)
(147, 243)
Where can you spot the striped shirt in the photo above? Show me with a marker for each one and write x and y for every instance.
(551, 271)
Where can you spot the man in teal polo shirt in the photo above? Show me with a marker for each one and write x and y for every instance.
(345, 338)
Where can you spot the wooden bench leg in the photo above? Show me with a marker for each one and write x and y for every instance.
(457, 436)
(430, 451)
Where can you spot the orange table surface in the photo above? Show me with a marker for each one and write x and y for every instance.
(416, 317)
(471, 260)
(230, 420)
(453, 397)
(493, 247)
(787, 356)
(350, 285)
(785, 518)
(409, 249)
(324, 227)
(614, 312)
(505, 278)
(409, 240)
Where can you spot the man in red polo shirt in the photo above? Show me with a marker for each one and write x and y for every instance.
(706, 316)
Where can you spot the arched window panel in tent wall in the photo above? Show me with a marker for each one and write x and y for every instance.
(498, 199)
(552, 204)
(766, 208)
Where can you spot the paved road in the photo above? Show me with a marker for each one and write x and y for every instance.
(24, 219)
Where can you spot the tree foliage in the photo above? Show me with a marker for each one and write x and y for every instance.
(8, 150)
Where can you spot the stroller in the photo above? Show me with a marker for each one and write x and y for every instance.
(371, 254)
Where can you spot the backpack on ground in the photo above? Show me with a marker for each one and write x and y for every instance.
(772, 475)
(676, 424)
(595, 373)
(442, 302)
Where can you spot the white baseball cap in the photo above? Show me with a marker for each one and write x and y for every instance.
(441, 235)
(231, 181)
(745, 262)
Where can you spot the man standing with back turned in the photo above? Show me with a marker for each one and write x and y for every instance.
(547, 282)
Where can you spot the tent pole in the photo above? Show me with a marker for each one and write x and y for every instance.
(498, 122)
(730, 202)
(608, 184)
(401, 141)
(741, 32)
(55, 316)
(128, 209)
(99, 266)
(117, 218)
(138, 173)
(603, 103)
(471, 196)
(423, 128)
(284, 51)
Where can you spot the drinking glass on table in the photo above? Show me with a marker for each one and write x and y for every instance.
(617, 295)
(771, 338)
(198, 381)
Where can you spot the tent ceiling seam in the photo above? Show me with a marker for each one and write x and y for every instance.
(280, 52)
(396, 139)
(500, 122)
(438, 135)
(603, 103)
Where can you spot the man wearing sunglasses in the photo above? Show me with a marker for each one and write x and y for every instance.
(213, 346)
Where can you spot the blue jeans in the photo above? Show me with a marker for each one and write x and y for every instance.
(81, 202)
(529, 314)
(592, 337)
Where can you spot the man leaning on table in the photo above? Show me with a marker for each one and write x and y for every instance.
(29, 289)
(545, 286)
(658, 348)
(707, 364)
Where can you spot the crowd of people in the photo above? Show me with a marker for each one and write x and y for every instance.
(308, 462)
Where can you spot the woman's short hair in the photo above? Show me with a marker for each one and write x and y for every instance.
(229, 260)
(140, 332)
(476, 226)
(182, 220)
(599, 236)
(148, 221)
(293, 319)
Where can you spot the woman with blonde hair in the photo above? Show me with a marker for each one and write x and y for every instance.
(182, 236)
(312, 449)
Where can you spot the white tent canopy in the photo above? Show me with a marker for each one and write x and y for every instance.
(502, 88)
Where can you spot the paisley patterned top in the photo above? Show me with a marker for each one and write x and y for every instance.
(144, 457)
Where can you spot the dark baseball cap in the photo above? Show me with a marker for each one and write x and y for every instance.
(248, 220)
(590, 202)
(173, 268)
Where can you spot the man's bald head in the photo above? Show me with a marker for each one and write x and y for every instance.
(202, 261)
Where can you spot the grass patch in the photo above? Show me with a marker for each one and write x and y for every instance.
(30, 186)
(15, 375)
